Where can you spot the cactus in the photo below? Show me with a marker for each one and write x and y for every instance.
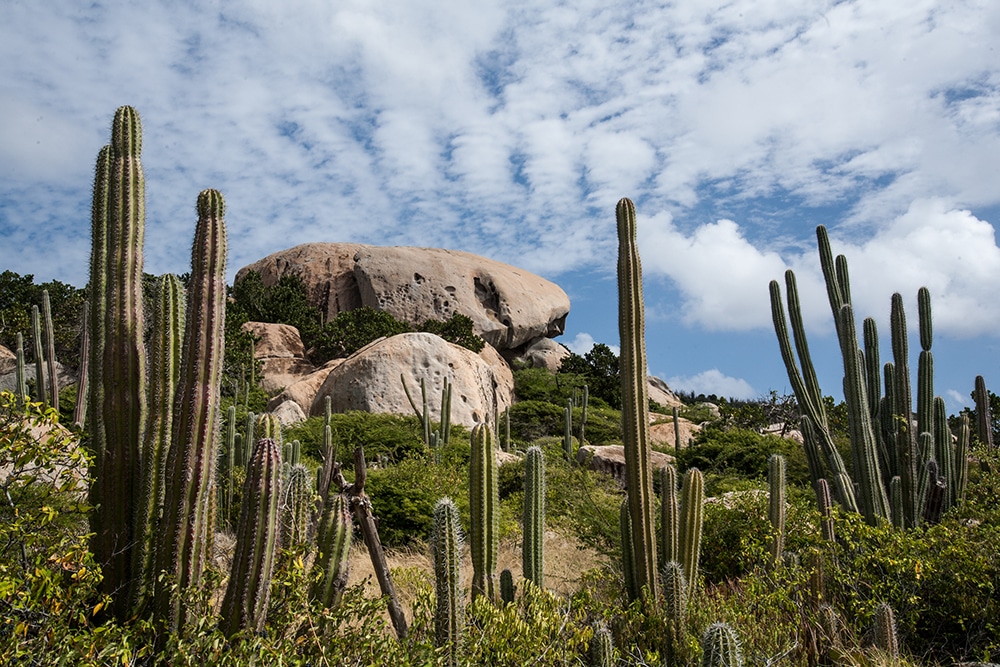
(692, 517)
(776, 504)
(628, 553)
(227, 463)
(720, 647)
(296, 506)
(245, 603)
(50, 349)
(906, 438)
(961, 477)
(41, 389)
(583, 413)
(669, 515)
(675, 602)
(944, 450)
(20, 382)
(826, 511)
(568, 431)
(268, 426)
(164, 362)
(601, 651)
(333, 541)
(80, 409)
(532, 553)
(984, 420)
(449, 617)
(507, 589)
(119, 194)
(484, 507)
(188, 515)
(886, 639)
(677, 430)
(635, 400)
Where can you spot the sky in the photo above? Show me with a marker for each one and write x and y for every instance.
(511, 129)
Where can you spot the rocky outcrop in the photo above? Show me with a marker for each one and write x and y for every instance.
(8, 380)
(8, 361)
(303, 391)
(663, 433)
(509, 307)
(369, 380)
(288, 412)
(610, 459)
(281, 353)
(660, 393)
(543, 353)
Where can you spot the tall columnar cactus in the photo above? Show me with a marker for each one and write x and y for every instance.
(628, 552)
(825, 510)
(776, 504)
(670, 528)
(568, 431)
(907, 459)
(167, 332)
(484, 508)
(532, 553)
(925, 367)
(635, 400)
(188, 512)
(961, 477)
(944, 450)
(677, 429)
(507, 588)
(886, 639)
(296, 506)
(333, 541)
(720, 647)
(20, 382)
(583, 413)
(257, 538)
(692, 519)
(268, 426)
(984, 421)
(50, 351)
(227, 465)
(41, 389)
(116, 259)
(80, 409)
(449, 617)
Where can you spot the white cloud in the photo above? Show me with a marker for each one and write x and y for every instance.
(583, 342)
(715, 382)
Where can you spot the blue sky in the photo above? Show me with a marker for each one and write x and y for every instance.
(511, 129)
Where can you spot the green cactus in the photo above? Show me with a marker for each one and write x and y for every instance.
(20, 382)
(118, 429)
(507, 589)
(677, 430)
(257, 536)
(227, 464)
(50, 350)
(635, 400)
(720, 647)
(628, 552)
(80, 409)
(944, 450)
(776, 504)
(268, 426)
(296, 506)
(41, 389)
(825, 510)
(984, 421)
(675, 603)
(961, 465)
(99, 273)
(692, 520)
(907, 458)
(886, 639)
(333, 541)
(601, 650)
(188, 512)
(568, 431)
(669, 515)
(164, 363)
(449, 617)
(484, 508)
(583, 413)
(532, 553)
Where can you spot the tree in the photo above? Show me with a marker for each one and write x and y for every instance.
(601, 368)
(19, 293)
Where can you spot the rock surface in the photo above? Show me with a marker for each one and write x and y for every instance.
(660, 393)
(369, 380)
(8, 361)
(610, 459)
(663, 432)
(509, 307)
(288, 412)
(282, 355)
(303, 391)
(543, 353)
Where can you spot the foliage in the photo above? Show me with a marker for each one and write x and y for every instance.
(456, 329)
(742, 452)
(762, 412)
(19, 293)
(351, 330)
(600, 369)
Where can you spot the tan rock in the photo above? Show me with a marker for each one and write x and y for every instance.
(662, 432)
(508, 306)
(8, 360)
(304, 390)
(289, 412)
(544, 353)
(282, 355)
(610, 459)
(660, 393)
(369, 380)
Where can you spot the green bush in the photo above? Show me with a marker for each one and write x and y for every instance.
(742, 453)
(394, 436)
(601, 371)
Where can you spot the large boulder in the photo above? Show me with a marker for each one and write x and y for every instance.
(508, 306)
(281, 353)
(610, 459)
(369, 380)
(8, 360)
(303, 391)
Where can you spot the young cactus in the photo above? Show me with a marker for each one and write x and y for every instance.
(776, 504)
(886, 639)
(692, 519)
(296, 506)
(720, 647)
(245, 603)
(601, 651)
(532, 556)
(449, 618)
(670, 529)
(333, 541)
(484, 506)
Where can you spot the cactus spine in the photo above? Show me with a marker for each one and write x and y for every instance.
(675, 601)
(484, 506)
(720, 647)
(635, 400)
(532, 553)
(449, 619)
(334, 543)
(245, 603)
(692, 518)
(776, 504)
(670, 529)
(188, 513)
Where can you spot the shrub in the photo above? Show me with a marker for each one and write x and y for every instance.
(743, 453)
(394, 436)
(601, 370)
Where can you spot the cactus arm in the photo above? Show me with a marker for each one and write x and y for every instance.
(333, 541)
(984, 422)
(906, 439)
(41, 389)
